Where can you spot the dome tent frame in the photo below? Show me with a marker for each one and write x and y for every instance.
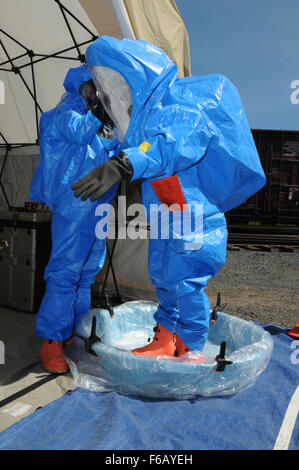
(33, 59)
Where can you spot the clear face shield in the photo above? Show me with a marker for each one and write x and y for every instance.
(115, 94)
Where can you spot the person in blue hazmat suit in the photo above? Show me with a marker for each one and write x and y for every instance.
(189, 142)
(71, 144)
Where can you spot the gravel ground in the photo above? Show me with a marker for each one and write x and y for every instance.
(259, 286)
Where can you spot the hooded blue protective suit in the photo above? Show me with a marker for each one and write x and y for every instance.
(69, 147)
(194, 128)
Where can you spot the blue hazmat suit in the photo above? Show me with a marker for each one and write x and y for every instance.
(69, 147)
(194, 128)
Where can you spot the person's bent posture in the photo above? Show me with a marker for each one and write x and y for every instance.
(189, 141)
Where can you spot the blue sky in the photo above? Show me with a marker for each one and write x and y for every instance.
(255, 43)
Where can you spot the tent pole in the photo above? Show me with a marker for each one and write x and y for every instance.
(35, 100)
(15, 58)
(13, 39)
(17, 71)
(69, 27)
(8, 148)
(75, 18)
(53, 56)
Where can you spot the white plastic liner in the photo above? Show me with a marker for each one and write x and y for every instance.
(249, 347)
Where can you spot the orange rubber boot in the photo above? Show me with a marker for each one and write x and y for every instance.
(294, 332)
(52, 357)
(181, 348)
(163, 343)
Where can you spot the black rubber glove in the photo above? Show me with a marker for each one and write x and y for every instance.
(103, 177)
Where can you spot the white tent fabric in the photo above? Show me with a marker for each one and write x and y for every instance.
(39, 41)
(38, 26)
(49, 26)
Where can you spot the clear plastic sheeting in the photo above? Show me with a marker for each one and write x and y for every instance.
(249, 347)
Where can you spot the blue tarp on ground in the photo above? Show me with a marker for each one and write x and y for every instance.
(252, 419)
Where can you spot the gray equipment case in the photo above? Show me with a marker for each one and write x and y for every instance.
(25, 245)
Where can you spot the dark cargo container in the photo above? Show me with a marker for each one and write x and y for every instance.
(278, 201)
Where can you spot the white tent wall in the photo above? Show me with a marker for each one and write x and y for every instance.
(17, 175)
(49, 27)
(38, 26)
